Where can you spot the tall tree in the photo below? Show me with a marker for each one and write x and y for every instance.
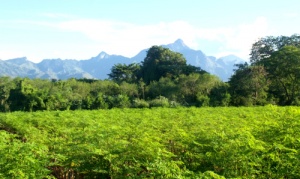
(125, 73)
(26, 96)
(264, 47)
(6, 84)
(164, 87)
(283, 68)
(161, 62)
(280, 58)
(194, 89)
(248, 85)
(219, 95)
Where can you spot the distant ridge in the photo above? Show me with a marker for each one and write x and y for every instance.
(99, 66)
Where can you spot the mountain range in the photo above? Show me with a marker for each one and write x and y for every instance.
(99, 66)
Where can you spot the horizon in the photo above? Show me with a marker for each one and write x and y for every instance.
(93, 56)
(79, 29)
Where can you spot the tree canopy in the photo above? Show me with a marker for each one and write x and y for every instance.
(248, 85)
(273, 76)
(122, 72)
(162, 62)
(283, 68)
(266, 46)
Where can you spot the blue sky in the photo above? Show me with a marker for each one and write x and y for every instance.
(80, 29)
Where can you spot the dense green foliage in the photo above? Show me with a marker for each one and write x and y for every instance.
(164, 79)
(257, 142)
(248, 86)
(162, 62)
(273, 76)
(283, 68)
(125, 73)
(266, 46)
(162, 140)
(23, 94)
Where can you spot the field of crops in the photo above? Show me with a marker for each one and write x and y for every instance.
(256, 142)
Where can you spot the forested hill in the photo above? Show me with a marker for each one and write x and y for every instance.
(99, 67)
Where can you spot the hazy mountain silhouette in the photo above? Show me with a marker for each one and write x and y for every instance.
(99, 66)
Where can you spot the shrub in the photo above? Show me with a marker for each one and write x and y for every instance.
(202, 100)
(140, 103)
(161, 101)
(119, 101)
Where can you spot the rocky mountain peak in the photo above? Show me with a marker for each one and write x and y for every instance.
(99, 66)
(102, 55)
(19, 61)
(178, 45)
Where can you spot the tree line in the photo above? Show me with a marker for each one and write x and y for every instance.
(273, 75)
(164, 79)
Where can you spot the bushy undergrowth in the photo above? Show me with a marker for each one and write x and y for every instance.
(254, 142)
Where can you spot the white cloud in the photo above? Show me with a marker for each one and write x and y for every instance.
(292, 14)
(5, 54)
(240, 39)
(128, 39)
